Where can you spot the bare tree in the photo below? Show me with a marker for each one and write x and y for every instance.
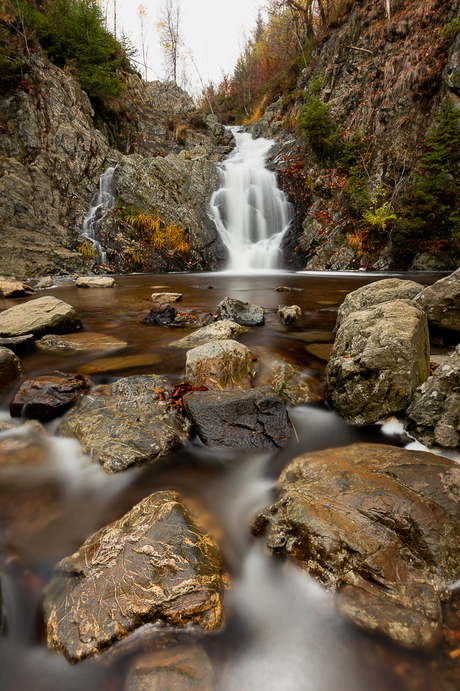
(169, 17)
(142, 14)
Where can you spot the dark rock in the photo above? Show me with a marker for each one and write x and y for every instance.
(10, 368)
(289, 314)
(47, 398)
(287, 289)
(204, 287)
(224, 364)
(181, 668)
(160, 315)
(379, 524)
(251, 419)
(380, 356)
(19, 344)
(39, 317)
(125, 423)
(240, 312)
(153, 565)
(441, 302)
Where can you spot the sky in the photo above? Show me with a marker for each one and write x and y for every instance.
(213, 30)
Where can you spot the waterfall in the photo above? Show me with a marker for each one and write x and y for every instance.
(103, 200)
(249, 210)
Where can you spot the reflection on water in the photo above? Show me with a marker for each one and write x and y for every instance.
(282, 632)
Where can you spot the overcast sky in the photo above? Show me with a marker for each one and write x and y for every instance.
(212, 29)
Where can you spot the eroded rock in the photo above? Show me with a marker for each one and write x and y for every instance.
(95, 282)
(220, 365)
(46, 398)
(441, 302)
(10, 289)
(39, 317)
(240, 312)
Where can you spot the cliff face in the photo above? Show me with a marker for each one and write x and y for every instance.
(53, 149)
(381, 82)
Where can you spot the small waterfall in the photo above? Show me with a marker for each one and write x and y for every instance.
(249, 210)
(103, 200)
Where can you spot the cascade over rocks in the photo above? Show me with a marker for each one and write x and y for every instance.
(39, 317)
(165, 570)
(378, 524)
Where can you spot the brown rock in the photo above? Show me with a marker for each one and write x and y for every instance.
(182, 668)
(47, 398)
(10, 368)
(224, 364)
(39, 317)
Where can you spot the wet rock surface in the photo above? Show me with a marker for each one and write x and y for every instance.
(125, 423)
(19, 344)
(441, 302)
(166, 297)
(95, 282)
(224, 364)
(39, 317)
(160, 314)
(379, 524)
(289, 314)
(249, 419)
(14, 289)
(182, 668)
(154, 565)
(217, 331)
(47, 398)
(240, 312)
(380, 356)
(10, 368)
(81, 340)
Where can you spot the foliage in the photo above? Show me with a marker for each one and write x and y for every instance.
(169, 238)
(450, 30)
(86, 249)
(379, 216)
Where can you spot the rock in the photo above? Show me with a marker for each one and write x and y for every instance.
(387, 290)
(81, 340)
(240, 312)
(120, 365)
(379, 524)
(10, 368)
(203, 287)
(125, 423)
(95, 282)
(380, 356)
(46, 282)
(223, 364)
(322, 351)
(46, 398)
(160, 314)
(290, 384)
(289, 314)
(154, 565)
(287, 289)
(39, 317)
(217, 331)
(441, 302)
(433, 417)
(166, 297)
(181, 668)
(249, 419)
(19, 344)
(10, 289)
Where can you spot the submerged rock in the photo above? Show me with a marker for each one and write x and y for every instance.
(220, 365)
(217, 331)
(125, 423)
(441, 302)
(379, 524)
(154, 565)
(10, 368)
(39, 317)
(249, 419)
(47, 398)
(380, 356)
(181, 668)
(240, 312)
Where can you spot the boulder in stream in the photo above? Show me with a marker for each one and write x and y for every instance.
(240, 312)
(153, 566)
(166, 297)
(39, 317)
(220, 365)
(12, 288)
(160, 314)
(289, 314)
(95, 282)
(217, 331)
(380, 356)
(441, 302)
(378, 524)
(10, 368)
(126, 423)
(49, 397)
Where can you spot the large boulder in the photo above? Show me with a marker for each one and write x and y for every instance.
(250, 419)
(125, 423)
(441, 302)
(380, 356)
(220, 365)
(387, 290)
(154, 565)
(217, 331)
(39, 317)
(240, 312)
(379, 524)
(10, 368)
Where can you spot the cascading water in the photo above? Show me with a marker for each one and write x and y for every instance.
(103, 200)
(250, 211)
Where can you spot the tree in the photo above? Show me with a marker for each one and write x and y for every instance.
(143, 18)
(169, 17)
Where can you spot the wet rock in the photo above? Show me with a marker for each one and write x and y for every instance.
(120, 365)
(441, 302)
(125, 423)
(15, 289)
(46, 282)
(249, 419)
(166, 297)
(287, 289)
(39, 317)
(290, 384)
(95, 282)
(182, 668)
(160, 314)
(217, 331)
(153, 565)
(10, 368)
(289, 314)
(203, 287)
(19, 344)
(240, 312)
(223, 364)
(46, 398)
(387, 290)
(433, 417)
(379, 524)
(380, 356)
(322, 351)
(82, 340)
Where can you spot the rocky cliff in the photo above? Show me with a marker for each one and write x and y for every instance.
(53, 149)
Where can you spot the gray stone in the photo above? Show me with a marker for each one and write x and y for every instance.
(10, 368)
(217, 331)
(39, 317)
(441, 302)
(220, 365)
(380, 356)
(240, 312)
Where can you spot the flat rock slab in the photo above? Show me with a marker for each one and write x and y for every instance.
(240, 312)
(95, 282)
(125, 423)
(181, 668)
(441, 302)
(379, 524)
(10, 368)
(81, 340)
(220, 365)
(39, 317)
(153, 565)
(121, 364)
(166, 297)
(9, 289)
(380, 356)
(48, 397)
(217, 331)
(249, 419)
(19, 344)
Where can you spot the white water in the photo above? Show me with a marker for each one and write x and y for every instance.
(249, 210)
(103, 200)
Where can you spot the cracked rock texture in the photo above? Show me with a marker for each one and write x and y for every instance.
(378, 524)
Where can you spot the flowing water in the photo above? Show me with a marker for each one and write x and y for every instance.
(282, 632)
(103, 200)
(249, 210)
